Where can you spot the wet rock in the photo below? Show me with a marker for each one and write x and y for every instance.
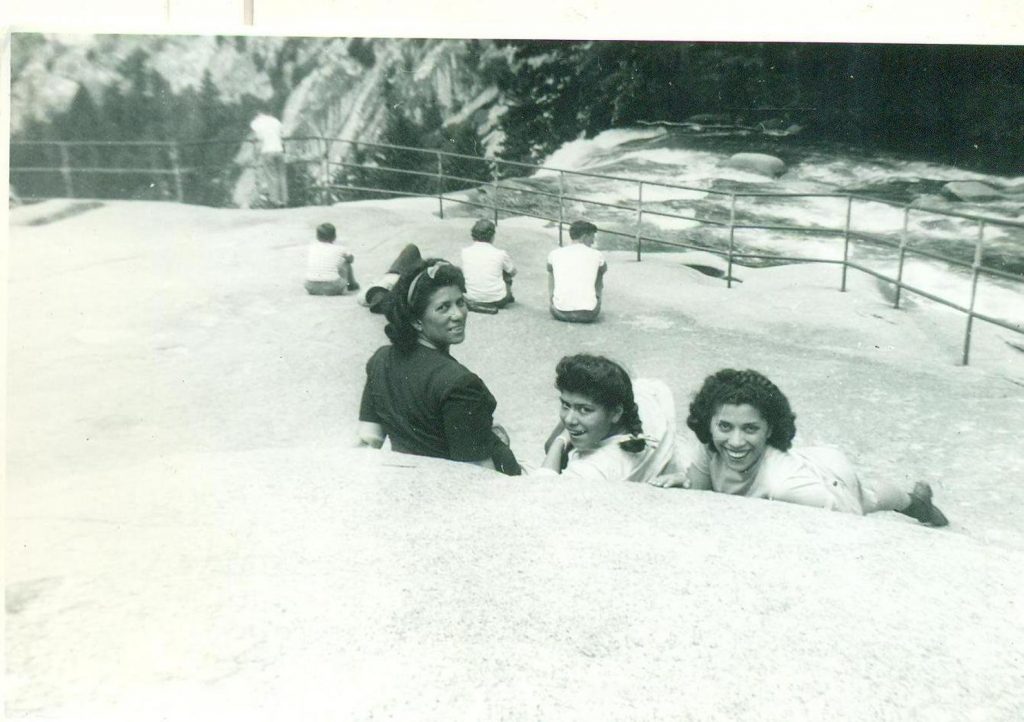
(971, 191)
(711, 119)
(773, 124)
(761, 163)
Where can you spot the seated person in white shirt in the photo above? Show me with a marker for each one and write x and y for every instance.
(576, 276)
(488, 270)
(329, 266)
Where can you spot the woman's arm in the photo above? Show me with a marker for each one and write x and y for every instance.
(370, 434)
(689, 479)
(559, 428)
(467, 416)
(556, 448)
(691, 467)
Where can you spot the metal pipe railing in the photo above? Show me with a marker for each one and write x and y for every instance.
(324, 161)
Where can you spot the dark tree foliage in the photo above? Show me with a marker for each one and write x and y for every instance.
(958, 104)
(467, 169)
(143, 108)
(361, 49)
(412, 171)
(397, 168)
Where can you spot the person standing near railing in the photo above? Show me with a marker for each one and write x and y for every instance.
(576, 276)
(271, 171)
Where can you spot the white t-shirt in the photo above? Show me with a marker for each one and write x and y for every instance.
(323, 261)
(482, 265)
(268, 130)
(575, 268)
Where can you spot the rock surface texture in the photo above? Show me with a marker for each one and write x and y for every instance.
(190, 535)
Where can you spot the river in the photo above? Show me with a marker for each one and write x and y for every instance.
(694, 159)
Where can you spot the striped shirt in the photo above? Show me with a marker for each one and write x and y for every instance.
(324, 259)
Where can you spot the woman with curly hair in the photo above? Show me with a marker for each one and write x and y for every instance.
(416, 394)
(611, 428)
(746, 427)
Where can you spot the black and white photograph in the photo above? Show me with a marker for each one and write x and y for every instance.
(519, 377)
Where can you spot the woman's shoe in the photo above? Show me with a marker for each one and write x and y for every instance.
(921, 507)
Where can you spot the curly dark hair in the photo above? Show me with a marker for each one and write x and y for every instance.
(403, 308)
(606, 383)
(729, 386)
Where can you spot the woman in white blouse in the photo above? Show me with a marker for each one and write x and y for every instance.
(610, 427)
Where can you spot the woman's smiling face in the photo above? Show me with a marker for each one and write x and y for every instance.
(444, 321)
(588, 422)
(740, 435)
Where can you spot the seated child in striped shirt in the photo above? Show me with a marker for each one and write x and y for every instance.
(329, 266)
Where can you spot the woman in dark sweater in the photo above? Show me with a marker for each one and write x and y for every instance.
(416, 394)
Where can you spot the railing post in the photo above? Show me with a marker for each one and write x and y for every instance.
(179, 189)
(846, 241)
(639, 216)
(259, 175)
(732, 238)
(440, 187)
(903, 255)
(561, 205)
(975, 272)
(65, 169)
(494, 187)
(325, 173)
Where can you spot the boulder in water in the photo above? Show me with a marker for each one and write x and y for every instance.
(761, 163)
(971, 191)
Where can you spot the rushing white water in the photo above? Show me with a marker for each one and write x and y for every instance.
(659, 156)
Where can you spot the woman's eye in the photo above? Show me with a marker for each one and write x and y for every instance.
(751, 429)
(722, 426)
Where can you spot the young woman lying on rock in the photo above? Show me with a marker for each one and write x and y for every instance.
(746, 428)
(610, 428)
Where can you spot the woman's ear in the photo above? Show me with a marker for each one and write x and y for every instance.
(617, 414)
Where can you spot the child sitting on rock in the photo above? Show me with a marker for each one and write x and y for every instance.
(329, 266)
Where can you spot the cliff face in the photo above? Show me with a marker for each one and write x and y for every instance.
(330, 87)
(343, 97)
